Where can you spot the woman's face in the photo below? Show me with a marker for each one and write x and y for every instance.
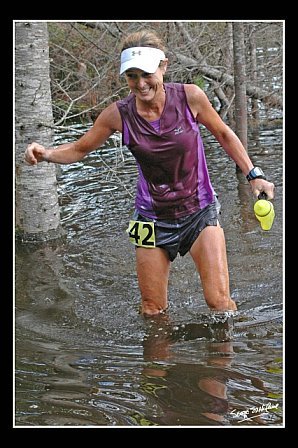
(145, 85)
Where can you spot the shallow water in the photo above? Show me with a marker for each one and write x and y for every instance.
(83, 354)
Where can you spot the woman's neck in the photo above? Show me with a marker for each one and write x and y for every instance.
(151, 110)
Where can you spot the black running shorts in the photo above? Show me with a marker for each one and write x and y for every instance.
(177, 236)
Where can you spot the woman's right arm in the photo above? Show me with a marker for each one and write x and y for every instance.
(108, 121)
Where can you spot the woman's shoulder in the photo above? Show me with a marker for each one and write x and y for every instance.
(110, 117)
(195, 96)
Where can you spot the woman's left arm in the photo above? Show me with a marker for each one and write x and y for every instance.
(207, 115)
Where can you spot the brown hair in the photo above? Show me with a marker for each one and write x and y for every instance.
(145, 38)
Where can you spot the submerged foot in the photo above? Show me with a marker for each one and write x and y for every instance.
(149, 309)
(224, 306)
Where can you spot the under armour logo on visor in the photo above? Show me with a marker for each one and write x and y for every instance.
(133, 53)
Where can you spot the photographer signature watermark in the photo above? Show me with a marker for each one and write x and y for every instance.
(253, 412)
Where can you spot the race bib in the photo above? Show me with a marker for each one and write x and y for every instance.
(141, 233)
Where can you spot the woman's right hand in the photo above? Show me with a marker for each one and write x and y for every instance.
(35, 153)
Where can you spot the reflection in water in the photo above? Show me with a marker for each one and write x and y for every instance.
(85, 357)
(195, 393)
(188, 393)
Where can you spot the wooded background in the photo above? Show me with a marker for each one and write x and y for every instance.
(85, 61)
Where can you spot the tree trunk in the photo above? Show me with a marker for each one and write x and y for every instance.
(240, 82)
(37, 209)
(254, 74)
(230, 62)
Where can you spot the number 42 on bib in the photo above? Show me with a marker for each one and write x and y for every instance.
(141, 233)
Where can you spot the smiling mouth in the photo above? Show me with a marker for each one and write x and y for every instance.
(143, 92)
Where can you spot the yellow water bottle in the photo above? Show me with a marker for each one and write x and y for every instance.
(264, 211)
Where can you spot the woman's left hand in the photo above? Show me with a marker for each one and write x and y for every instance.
(259, 186)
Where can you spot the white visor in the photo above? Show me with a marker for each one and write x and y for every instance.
(144, 58)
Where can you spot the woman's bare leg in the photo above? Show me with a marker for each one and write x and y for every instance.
(153, 267)
(209, 255)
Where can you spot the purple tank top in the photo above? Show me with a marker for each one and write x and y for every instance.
(173, 176)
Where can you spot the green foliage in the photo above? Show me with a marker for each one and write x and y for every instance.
(200, 82)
